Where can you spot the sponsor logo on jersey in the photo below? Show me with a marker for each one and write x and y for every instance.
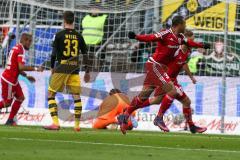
(169, 46)
(179, 40)
(181, 62)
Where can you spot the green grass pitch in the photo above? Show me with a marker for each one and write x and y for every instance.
(34, 143)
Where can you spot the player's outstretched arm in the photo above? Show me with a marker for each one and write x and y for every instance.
(191, 43)
(86, 61)
(24, 74)
(55, 52)
(145, 37)
(189, 73)
(53, 59)
(30, 78)
(22, 67)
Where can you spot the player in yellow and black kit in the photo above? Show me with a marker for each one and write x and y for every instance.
(67, 47)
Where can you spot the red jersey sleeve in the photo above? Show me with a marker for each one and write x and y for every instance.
(147, 38)
(21, 59)
(152, 37)
(191, 43)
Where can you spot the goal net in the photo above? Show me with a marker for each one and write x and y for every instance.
(115, 53)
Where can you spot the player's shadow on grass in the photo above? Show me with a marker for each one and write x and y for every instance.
(65, 114)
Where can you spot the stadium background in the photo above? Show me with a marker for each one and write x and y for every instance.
(119, 62)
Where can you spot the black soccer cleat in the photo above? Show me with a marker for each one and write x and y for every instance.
(10, 122)
(123, 122)
(196, 129)
(158, 121)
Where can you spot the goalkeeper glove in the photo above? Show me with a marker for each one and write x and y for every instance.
(131, 35)
(206, 45)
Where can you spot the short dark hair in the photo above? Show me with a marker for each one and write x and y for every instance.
(68, 17)
(25, 36)
(188, 33)
(177, 20)
(114, 90)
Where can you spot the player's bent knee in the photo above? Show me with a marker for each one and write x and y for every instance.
(7, 103)
(156, 100)
(142, 98)
(76, 96)
(51, 94)
(20, 99)
(170, 89)
(187, 102)
(173, 92)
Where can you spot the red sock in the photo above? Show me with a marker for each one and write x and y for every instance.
(144, 103)
(15, 107)
(1, 105)
(136, 101)
(136, 104)
(187, 111)
(166, 103)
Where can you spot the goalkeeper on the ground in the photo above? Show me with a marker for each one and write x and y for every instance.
(110, 108)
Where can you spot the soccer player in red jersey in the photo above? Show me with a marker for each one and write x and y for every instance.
(156, 76)
(12, 94)
(174, 68)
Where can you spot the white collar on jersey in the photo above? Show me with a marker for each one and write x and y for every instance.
(172, 33)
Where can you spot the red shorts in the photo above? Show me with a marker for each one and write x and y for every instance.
(9, 91)
(181, 94)
(156, 74)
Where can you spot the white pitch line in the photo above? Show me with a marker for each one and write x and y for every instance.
(186, 135)
(161, 134)
(123, 145)
(149, 134)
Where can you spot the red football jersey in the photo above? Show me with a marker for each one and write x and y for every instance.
(11, 72)
(175, 66)
(168, 44)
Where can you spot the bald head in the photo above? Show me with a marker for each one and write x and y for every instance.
(26, 40)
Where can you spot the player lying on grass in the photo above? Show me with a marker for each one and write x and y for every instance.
(168, 43)
(12, 93)
(67, 47)
(110, 108)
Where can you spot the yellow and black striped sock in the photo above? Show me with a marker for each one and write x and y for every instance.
(52, 105)
(77, 112)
